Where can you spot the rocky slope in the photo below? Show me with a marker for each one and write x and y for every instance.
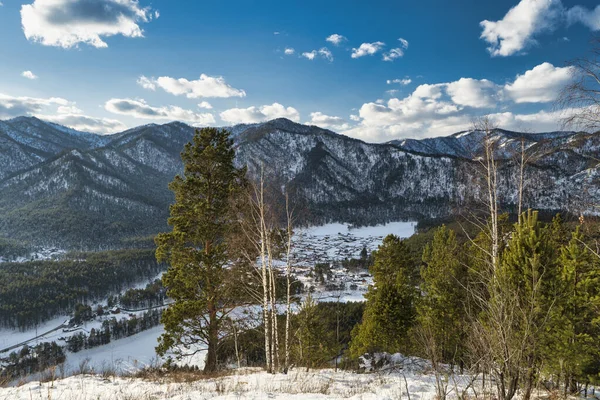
(75, 189)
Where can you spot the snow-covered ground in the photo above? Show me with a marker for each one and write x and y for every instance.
(246, 384)
(402, 229)
(10, 337)
(121, 356)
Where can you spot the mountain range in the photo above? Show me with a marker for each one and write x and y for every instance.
(62, 187)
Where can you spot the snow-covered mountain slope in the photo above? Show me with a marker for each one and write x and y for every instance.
(15, 156)
(49, 138)
(56, 179)
(469, 144)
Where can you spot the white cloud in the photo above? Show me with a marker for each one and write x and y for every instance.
(310, 54)
(541, 84)
(71, 109)
(323, 52)
(589, 18)
(515, 31)
(28, 75)
(206, 86)
(259, 114)
(146, 83)
(393, 54)
(85, 123)
(541, 121)
(141, 109)
(444, 108)
(474, 93)
(429, 91)
(336, 39)
(405, 81)
(413, 115)
(397, 52)
(328, 121)
(11, 106)
(326, 54)
(367, 49)
(289, 51)
(206, 105)
(66, 23)
(405, 118)
(392, 92)
(57, 110)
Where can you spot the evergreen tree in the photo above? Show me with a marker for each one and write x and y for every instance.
(314, 340)
(390, 307)
(441, 312)
(573, 351)
(524, 292)
(198, 247)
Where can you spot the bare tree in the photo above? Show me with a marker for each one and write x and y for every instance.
(522, 163)
(521, 158)
(257, 230)
(492, 339)
(270, 242)
(288, 273)
(580, 100)
(489, 166)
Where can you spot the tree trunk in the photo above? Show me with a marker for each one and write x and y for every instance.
(274, 327)
(529, 385)
(288, 268)
(213, 340)
(265, 284)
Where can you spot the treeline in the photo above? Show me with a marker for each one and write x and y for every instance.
(33, 292)
(45, 355)
(11, 249)
(522, 315)
(30, 360)
(154, 294)
(113, 329)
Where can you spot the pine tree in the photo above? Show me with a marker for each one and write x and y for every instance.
(198, 247)
(390, 307)
(314, 340)
(524, 293)
(441, 312)
(573, 349)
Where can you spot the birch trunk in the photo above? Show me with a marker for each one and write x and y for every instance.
(288, 284)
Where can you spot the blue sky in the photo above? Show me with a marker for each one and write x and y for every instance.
(397, 69)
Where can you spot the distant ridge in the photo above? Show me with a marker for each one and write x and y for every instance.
(75, 189)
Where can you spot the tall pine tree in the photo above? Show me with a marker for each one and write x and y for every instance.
(441, 312)
(198, 247)
(572, 350)
(390, 308)
(525, 291)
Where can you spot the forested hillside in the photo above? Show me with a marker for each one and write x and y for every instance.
(65, 188)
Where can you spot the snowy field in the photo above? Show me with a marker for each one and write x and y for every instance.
(402, 229)
(245, 384)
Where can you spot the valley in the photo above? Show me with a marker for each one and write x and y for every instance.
(329, 244)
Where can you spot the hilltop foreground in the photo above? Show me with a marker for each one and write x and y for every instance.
(248, 384)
